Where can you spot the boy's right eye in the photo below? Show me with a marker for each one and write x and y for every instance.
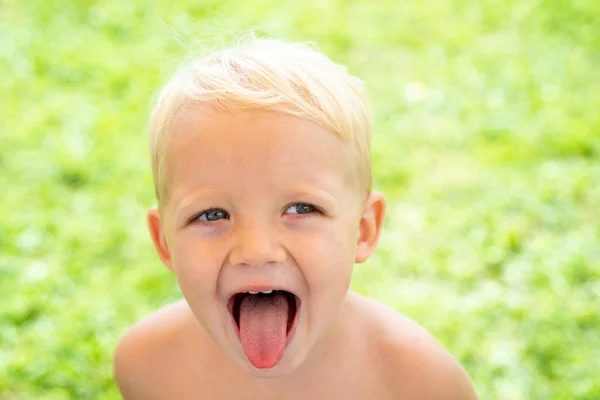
(212, 215)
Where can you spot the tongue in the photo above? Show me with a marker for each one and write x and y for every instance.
(263, 328)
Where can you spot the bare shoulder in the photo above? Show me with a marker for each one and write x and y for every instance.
(148, 355)
(414, 364)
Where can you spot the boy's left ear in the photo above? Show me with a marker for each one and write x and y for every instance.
(371, 223)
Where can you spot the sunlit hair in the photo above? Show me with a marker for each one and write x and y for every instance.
(268, 74)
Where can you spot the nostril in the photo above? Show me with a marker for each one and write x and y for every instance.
(257, 248)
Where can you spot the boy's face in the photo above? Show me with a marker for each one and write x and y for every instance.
(261, 201)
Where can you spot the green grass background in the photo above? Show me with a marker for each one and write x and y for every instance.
(487, 144)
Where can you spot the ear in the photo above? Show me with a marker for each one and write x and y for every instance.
(370, 226)
(159, 238)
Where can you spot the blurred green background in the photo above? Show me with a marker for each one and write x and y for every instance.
(487, 144)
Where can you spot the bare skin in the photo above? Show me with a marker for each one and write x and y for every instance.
(259, 201)
(378, 354)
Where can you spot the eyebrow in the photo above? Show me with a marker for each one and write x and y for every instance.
(190, 199)
(314, 192)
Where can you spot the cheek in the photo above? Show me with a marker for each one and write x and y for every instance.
(194, 265)
(328, 258)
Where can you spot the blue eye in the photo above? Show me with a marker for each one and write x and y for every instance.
(300, 208)
(213, 215)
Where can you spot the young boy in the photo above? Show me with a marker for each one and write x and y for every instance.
(261, 162)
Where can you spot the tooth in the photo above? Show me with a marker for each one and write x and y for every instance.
(253, 292)
(267, 292)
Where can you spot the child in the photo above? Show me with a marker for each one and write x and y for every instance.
(262, 170)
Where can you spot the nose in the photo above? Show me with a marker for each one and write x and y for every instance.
(256, 245)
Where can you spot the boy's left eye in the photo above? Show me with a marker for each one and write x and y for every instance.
(300, 208)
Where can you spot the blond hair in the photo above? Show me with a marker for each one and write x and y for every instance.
(268, 74)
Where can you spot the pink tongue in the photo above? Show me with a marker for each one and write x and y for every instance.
(263, 328)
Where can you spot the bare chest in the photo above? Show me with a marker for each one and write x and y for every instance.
(349, 382)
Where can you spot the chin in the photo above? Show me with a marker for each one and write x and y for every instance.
(280, 370)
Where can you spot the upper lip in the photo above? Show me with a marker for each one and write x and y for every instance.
(261, 287)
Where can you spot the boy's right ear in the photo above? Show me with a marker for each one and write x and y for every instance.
(159, 237)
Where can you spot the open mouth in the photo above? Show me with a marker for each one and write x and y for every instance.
(265, 323)
(293, 304)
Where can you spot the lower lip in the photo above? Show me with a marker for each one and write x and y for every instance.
(290, 333)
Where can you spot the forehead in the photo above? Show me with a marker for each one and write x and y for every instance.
(209, 147)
